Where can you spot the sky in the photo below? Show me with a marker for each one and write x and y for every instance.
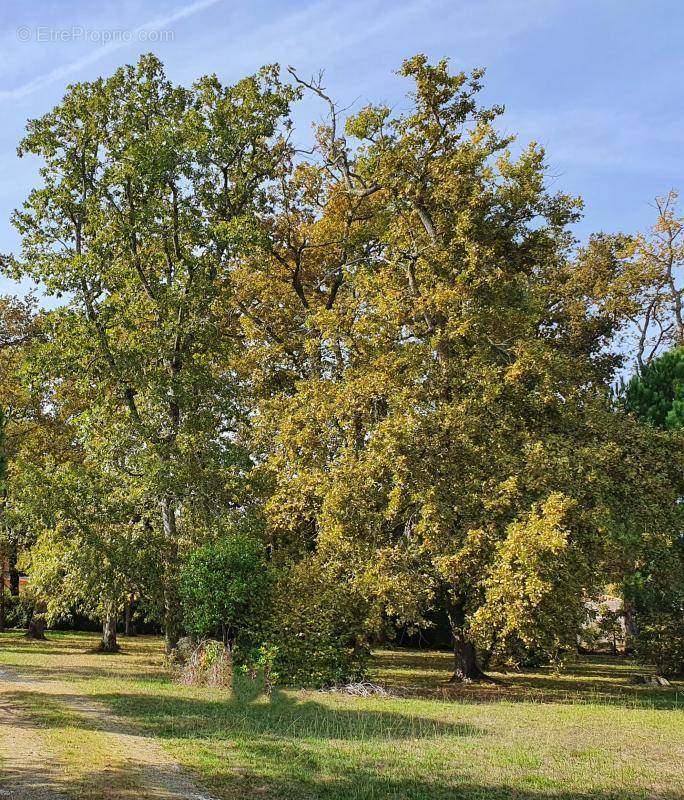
(596, 82)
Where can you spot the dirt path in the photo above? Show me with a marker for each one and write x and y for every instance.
(90, 754)
(29, 769)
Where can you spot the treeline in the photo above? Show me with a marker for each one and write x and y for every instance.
(299, 396)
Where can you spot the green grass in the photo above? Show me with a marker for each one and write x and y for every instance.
(586, 732)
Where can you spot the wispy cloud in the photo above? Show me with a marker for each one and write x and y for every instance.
(321, 29)
(63, 71)
(604, 137)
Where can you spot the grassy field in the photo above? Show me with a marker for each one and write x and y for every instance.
(584, 733)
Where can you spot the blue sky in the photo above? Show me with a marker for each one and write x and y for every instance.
(597, 82)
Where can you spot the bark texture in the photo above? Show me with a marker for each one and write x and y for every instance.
(109, 643)
(466, 667)
(36, 626)
(172, 630)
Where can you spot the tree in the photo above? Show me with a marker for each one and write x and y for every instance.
(654, 581)
(647, 284)
(431, 362)
(393, 340)
(150, 194)
(22, 421)
(94, 545)
(656, 395)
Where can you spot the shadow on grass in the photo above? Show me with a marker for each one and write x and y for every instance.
(87, 673)
(602, 680)
(43, 647)
(134, 780)
(77, 656)
(292, 747)
(243, 714)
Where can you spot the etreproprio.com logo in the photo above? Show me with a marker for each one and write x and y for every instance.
(78, 33)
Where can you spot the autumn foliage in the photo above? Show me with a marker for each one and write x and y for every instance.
(388, 351)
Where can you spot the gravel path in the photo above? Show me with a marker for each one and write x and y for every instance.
(32, 768)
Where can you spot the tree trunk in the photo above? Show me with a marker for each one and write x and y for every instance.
(466, 668)
(3, 575)
(109, 643)
(36, 626)
(13, 574)
(631, 629)
(171, 603)
(129, 627)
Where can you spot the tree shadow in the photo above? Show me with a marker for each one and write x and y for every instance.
(287, 747)
(87, 673)
(43, 784)
(134, 781)
(131, 781)
(56, 659)
(602, 680)
(46, 647)
(245, 713)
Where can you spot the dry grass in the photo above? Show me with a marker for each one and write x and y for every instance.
(584, 733)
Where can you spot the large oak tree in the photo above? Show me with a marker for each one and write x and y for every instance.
(431, 354)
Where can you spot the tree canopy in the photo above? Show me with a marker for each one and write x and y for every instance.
(657, 393)
(390, 349)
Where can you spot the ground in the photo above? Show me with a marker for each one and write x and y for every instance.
(75, 725)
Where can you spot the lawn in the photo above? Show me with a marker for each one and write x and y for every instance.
(587, 732)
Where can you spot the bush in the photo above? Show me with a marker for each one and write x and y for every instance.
(17, 611)
(261, 659)
(209, 664)
(316, 628)
(661, 641)
(656, 597)
(224, 586)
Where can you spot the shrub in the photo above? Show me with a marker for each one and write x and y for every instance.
(209, 664)
(17, 611)
(224, 586)
(661, 641)
(316, 628)
(656, 597)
